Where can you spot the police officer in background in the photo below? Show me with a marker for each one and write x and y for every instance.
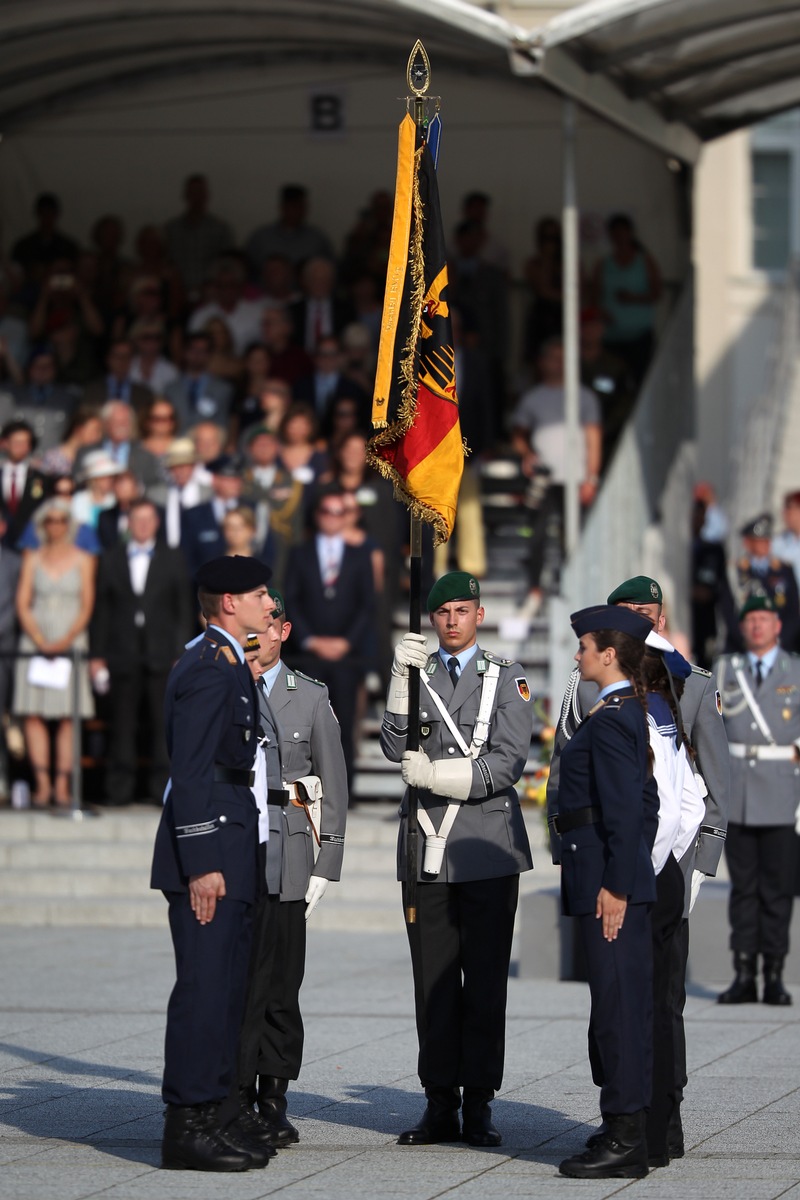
(759, 573)
(760, 692)
(206, 863)
(700, 713)
(475, 730)
(303, 747)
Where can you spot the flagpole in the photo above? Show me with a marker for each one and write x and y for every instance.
(414, 626)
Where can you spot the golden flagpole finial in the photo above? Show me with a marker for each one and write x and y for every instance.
(418, 71)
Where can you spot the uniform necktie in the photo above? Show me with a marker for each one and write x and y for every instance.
(759, 671)
(13, 496)
(452, 670)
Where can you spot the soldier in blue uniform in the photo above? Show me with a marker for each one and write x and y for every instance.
(206, 862)
(607, 818)
(303, 747)
(475, 730)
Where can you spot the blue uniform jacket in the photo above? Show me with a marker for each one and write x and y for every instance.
(211, 719)
(605, 765)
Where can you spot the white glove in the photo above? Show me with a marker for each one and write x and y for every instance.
(410, 651)
(444, 776)
(317, 886)
(694, 887)
(797, 820)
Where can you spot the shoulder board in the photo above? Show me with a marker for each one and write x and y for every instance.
(308, 678)
(227, 654)
(501, 662)
(614, 703)
(701, 671)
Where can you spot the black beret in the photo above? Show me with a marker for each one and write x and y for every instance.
(610, 616)
(225, 465)
(233, 573)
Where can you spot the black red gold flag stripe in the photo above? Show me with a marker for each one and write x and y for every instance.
(418, 443)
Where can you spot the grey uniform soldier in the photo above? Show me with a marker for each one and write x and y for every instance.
(700, 713)
(475, 729)
(302, 742)
(761, 708)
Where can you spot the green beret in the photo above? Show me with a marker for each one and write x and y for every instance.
(757, 604)
(639, 590)
(279, 608)
(456, 585)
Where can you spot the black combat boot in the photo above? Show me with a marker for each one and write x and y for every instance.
(194, 1141)
(599, 1133)
(774, 991)
(272, 1109)
(250, 1126)
(675, 1147)
(621, 1153)
(743, 989)
(439, 1122)
(476, 1116)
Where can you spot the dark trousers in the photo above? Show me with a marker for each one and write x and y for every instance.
(272, 1029)
(460, 954)
(127, 694)
(677, 1002)
(762, 861)
(620, 977)
(204, 1014)
(666, 918)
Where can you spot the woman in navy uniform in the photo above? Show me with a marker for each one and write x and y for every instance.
(206, 863)
(607, 818)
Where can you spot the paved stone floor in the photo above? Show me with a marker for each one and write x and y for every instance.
(81, 1028)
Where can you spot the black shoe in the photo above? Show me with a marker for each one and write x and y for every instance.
(657, 1160)
(675, 1147)
(595, 1138)
(774, 991)
(272, 1110)
(193, 1141)
(439, 1122)
(476, 1116)
(252, 1128)
(743, 989)
(621, 1153)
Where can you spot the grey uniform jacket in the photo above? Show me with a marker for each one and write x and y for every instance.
(763, 792)
(488, 838)
(706, 733)
(310, 744)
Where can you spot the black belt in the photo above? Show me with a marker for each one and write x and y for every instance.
(276, 796)
(233, 775)
(564, 822)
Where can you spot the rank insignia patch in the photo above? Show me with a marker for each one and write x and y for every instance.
(522, 688)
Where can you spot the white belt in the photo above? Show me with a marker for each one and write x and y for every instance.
(765, 753)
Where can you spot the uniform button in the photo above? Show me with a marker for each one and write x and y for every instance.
(451, 749)
(296, 733)
(752, 762)
(573, 846)
(423, 715)
(507, 803)
(308, 829)
(753, 726)
(222, 819)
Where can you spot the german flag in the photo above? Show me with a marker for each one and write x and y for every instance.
(415, 407)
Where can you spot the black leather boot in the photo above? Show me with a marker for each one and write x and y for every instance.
(621, 1153)
(675, 1147)
(250, 1127)
(774, 991)
(599, 1133)
(743, 989)
(194, 1141)
(272, 1108)
(439, 1122)
(476, 1117)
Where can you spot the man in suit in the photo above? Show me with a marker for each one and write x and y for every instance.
(142, 619)
(45, 404)
(330, 593)
(207, 851)
(23, 487)
(327, 384)
(302, 741)
(10, 563)
(117, 384)
(760, 692)
(201, 526)
(121, 444)
(181, 492)
(700, 713)
(320, 313)
(475, 724)
(198, 395)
